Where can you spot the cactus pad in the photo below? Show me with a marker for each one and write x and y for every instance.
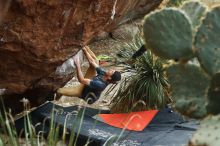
(195, 10)
(207, 42)
(214, 95)
(168, 33)
(208, 133)
(189, 85)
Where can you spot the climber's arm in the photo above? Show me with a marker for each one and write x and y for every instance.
(79, 73)
(90, 56)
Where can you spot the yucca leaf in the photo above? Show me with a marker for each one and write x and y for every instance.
(147, 80)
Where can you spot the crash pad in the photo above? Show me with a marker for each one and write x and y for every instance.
(161, 130)
(136, 121)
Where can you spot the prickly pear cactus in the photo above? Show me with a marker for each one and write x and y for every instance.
(213, 106)
(168, 33)
(207, 42)
(189, 85)
(208, 134)
(173, 34)
(196, 11)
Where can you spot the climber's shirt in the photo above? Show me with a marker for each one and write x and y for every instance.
(92, 92)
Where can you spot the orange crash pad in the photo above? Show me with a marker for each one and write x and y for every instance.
(136, 121)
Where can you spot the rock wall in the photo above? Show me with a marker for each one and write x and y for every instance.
(36, 36)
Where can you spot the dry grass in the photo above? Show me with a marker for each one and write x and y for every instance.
(211, 3)
(163, 4)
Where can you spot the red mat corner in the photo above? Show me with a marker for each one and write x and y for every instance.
(136, 121)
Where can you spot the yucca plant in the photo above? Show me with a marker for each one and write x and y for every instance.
(145, 85)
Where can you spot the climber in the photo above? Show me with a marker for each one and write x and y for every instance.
(91, 85)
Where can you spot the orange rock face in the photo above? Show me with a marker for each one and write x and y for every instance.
(36, 36)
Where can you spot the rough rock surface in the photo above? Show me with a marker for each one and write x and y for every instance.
(36, 36)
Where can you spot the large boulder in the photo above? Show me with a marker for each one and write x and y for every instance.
(37, 36)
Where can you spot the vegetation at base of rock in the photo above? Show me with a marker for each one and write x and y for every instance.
(145, 85)
(56, 136)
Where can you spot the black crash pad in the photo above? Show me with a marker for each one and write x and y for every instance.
(167, 128)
